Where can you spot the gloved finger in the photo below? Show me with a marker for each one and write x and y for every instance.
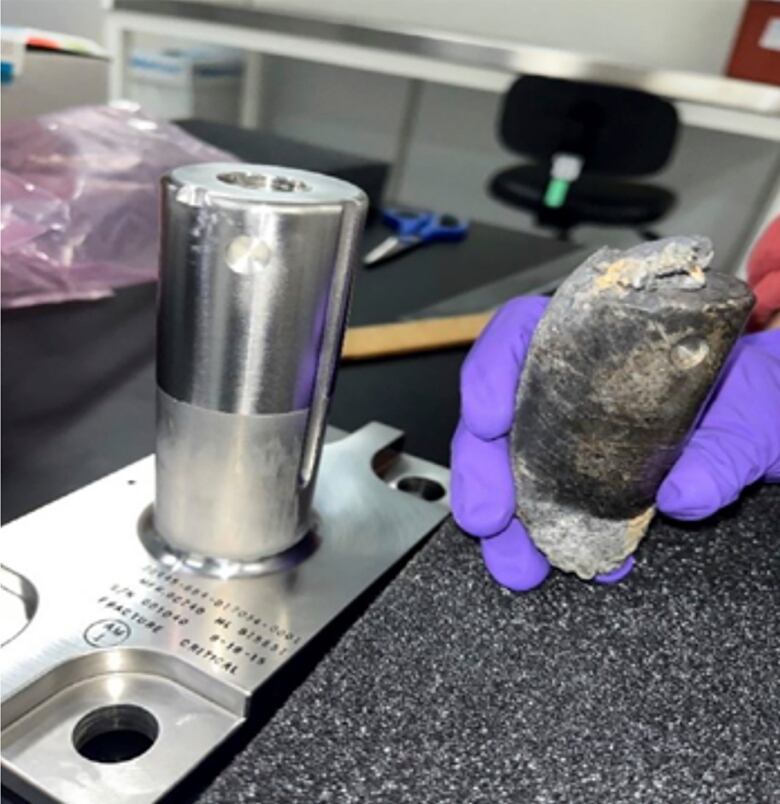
(617, 575)
(733, 446)
(513, 559)
(491, 372)
(482, 488)
(711, 472)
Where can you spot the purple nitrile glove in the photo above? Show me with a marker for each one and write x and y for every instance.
(736, 442)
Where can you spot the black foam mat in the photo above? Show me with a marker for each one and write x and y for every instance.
(663, 688)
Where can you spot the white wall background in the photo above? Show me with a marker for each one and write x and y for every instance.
(682, 34)
(77, 17)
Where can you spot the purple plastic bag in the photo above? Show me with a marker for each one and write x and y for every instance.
(79, 211)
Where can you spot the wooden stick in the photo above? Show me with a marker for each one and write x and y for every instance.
(406, 337)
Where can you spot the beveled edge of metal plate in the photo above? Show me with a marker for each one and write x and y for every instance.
(49, 670)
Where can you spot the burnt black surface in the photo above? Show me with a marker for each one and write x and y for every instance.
(603, 410)
(664, 688)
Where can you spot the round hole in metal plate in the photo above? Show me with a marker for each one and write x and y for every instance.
(422, 487)
(115, 733)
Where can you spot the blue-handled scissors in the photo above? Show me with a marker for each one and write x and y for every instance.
(413, 229)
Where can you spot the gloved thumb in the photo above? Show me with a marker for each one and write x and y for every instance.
(513, 560)
(737, 441)
(710, 474)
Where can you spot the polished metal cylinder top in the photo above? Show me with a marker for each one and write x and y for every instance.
(256, 265)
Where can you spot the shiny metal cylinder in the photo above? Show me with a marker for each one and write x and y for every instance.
(256, 267)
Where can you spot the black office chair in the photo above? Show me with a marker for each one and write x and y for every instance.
(582, 138)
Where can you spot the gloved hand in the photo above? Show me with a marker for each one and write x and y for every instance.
(736, 442)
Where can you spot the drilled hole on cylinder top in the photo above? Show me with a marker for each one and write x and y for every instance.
(259, 181)
(115, 733)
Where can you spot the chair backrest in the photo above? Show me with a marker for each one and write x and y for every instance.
(615, 130)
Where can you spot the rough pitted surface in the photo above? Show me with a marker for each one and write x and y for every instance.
(677, 261)
(618, 368)
(665, 688)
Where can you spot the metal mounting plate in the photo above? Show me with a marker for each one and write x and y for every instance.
(107, 627)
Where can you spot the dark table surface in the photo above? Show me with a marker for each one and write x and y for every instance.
(664, 688)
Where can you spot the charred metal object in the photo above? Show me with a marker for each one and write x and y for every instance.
(617, 372)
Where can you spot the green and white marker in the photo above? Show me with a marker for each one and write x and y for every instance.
(565, 170)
